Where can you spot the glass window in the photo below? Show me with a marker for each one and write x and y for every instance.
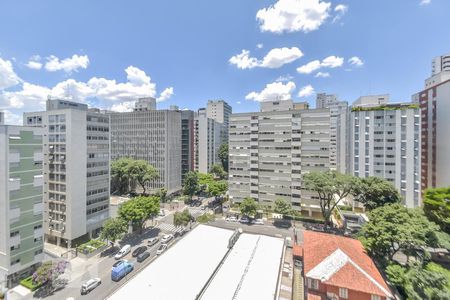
(343, 293)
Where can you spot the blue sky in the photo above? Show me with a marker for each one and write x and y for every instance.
(107, 53)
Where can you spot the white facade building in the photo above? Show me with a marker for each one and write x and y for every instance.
(208, 136)
(144, 104)
(386, 143)
(2, 118)
(270, 151)
(76, 147)
(371, 100)
(220, 111)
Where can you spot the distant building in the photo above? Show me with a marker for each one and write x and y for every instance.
(208, 136)
(337, 267)
(385, 142)
(76, 170)
(2, 118)
(145, 104)
(220, 111)
(434, 103)
(187, 142)
(278, 105)
(270, 151)
(21, 203)
(301, 105)
(153, 136)
(371, 100)
(324, 100)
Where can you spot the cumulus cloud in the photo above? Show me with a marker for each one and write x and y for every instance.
(306, 91)
(123, 106)
(340, 10)
(328, 62)
(34, 63)
(166, 94)
(284, 78)
(322, 74)
(259, 46)
(293, 15)
(275, 58)
(68, 65)
(273, 91)
(12, 118)
(356, 61)
(425, 2)
(8, 77)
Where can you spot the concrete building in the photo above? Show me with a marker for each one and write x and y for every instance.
(76, 148)
(21, 203)
(301, 105)
(386, 143)
(278, 105)
(339, 142)
(208, 136)
(220, 111)
(2, 118)
(144, 104)
(187, 142)
(434, 101)
(440, 64)
(270, 151)
(371, 100)
(154, 136)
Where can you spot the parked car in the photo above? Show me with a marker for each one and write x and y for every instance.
(231, 219)
(119, 262)
(180, 231)
(121, 270)
(143, 256)
(161, 249)
(244, 220)
(258, 222)
(152, 241)
(138, 251)
(166, 238)
(124, 251)
(90, 285)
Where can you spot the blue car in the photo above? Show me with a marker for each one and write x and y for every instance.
(120, 270)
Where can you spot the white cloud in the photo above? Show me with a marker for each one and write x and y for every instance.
(12, 119)
(284, 78)
(238, 102)
(281, 56)
(32, 96)
(340, 10)
(306, 91)
(166, 94)
(259, 46)
(328, 62)
(322, 74)
(355, 60)
(275, 58)
(425, 2)
(8, 77)
(293, 15)
(273, 91)
(332, 62)
(35, 65)
(123, 106)
(243, 60)
(309, 67)
(69, 64)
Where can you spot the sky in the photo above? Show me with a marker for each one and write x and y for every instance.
(109, 53)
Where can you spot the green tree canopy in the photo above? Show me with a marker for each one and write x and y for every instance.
(331, 187)
(436, 205)
(191, 184)
(218, 188)
(223, 156)
(392, 228)
(182, 218)
(374, 192)
(113, 229)
(142, 172)
(248, 207)
(120, 174)
(49, 272)
(162, 193)
(283, 207)
(218, 172)
(137, 210)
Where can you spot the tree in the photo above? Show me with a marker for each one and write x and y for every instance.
(163, 195)
(191, 185)
(374, 192)
(142, 172)
(248, 207)
(223, 156)
(283, 207)
(393, 228)
(218, 188)
(218, 172)
(331, 187)
(137, 210)
(49, 272)
(182, 218)
(113, 229)
(120, 174)
(436, 205)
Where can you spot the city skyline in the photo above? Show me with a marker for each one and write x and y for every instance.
(262, 59)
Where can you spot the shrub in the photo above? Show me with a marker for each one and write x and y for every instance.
(346, 207)
(205, 218)
(28, 283)
(91, 246)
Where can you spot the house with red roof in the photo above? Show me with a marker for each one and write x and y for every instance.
(337, 267)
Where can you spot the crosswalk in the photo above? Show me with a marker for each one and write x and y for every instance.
(166, 227)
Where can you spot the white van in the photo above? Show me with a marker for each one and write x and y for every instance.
(124, 251)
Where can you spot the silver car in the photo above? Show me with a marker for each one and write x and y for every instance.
(90, 285)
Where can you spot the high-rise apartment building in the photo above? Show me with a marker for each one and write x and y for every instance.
(144, 104)
(208, 136)
(153, 136)
(76, 148)
(386, 143)
(371, 100)
(187, 142)
(270, 151)
(21, 192)
(434, 101)
(220, 111)
(339, 143)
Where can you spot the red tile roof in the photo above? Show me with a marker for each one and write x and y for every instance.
(359, 273)
(297, 250)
